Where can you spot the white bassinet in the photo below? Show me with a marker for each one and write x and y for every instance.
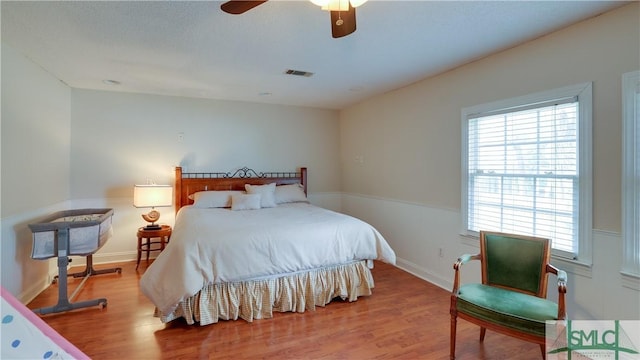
(79, 232)
(87, 233)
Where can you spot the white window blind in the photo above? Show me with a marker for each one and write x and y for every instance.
(523, 175)
(631, 173)
(526, 168)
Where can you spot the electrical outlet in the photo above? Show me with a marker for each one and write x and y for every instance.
(180, 137)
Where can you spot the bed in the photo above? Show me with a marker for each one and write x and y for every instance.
(246, 244)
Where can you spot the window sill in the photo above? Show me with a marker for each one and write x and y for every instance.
(572, 266)
(470, 240)
(631, 281)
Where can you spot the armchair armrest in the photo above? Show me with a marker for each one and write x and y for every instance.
(465, 259)
(561, 275)
(562, 289)
(457, 266)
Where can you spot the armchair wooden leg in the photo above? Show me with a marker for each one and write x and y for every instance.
(452, 342)
(483, 331)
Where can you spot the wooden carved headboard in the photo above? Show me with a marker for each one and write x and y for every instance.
(189, 183)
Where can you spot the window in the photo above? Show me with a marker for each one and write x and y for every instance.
(527, 168)
(631, 173)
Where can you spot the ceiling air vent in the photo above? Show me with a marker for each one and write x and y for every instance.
(298, 73)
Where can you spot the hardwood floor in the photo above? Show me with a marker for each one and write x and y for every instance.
(405, 318)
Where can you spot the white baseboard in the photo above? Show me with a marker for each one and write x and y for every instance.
(424, 274)
(108, 258)
(34, 290)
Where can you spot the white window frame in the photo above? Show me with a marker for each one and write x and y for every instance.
(630, 180)
(581, 263)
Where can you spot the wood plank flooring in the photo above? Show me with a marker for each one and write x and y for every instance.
(405, 318)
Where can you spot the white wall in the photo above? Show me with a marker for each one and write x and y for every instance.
(36, 115)
(409, 141)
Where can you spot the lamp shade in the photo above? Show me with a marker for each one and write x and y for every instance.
(152, 195)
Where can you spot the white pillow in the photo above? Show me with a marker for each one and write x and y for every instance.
(245, 201)
(214, 199)
(290, 193)
(267, 192)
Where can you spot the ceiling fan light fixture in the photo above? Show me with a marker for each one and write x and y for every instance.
(342, 12)
(337, 5)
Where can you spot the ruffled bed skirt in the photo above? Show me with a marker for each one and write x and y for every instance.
(258, 299)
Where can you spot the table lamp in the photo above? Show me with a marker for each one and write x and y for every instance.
(145, 196)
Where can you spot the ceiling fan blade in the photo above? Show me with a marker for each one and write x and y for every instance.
(237, 7)
(343, 23)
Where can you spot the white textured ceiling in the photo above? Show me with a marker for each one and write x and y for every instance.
(194, 49)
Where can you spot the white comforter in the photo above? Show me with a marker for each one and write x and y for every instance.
(220, 245)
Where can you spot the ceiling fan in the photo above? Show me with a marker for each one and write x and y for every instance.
(343, 12)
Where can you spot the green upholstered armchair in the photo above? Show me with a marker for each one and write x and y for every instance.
(512, 296)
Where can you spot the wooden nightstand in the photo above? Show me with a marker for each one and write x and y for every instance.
(163, 235)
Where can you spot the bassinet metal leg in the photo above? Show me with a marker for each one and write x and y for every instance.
(90, 271)
(64, 303)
